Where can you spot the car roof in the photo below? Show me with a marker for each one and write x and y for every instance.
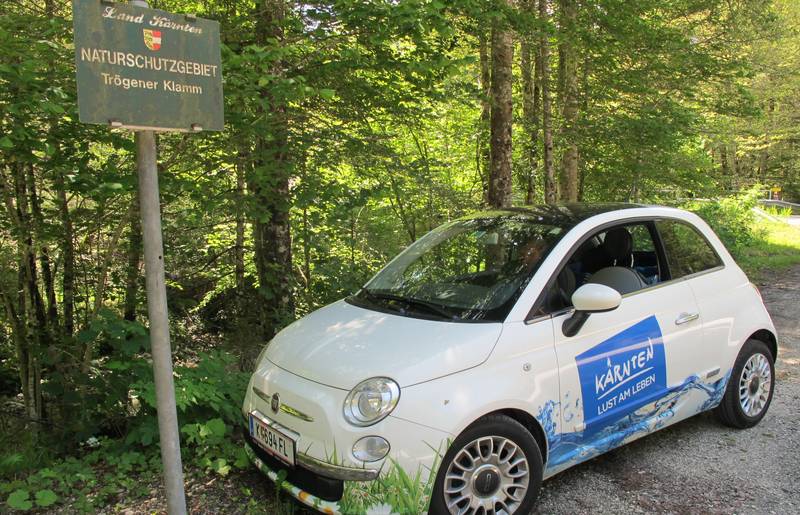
(560, 215)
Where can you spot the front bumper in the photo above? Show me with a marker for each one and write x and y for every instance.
(336, 471)
(326, 475)
(315, 492)
(324, 468)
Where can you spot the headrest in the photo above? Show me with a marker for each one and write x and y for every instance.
(618, 245)
(624, 280)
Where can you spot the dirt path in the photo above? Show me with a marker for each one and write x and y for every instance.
(700, 466)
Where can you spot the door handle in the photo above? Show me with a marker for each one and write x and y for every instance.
(686, 317)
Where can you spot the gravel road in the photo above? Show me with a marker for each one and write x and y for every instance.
(700, 466)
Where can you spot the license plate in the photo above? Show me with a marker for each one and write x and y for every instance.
(271, 440)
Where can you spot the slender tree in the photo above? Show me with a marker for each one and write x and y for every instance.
(568, 69)
(133, 274)
(531, 94)
(484, 131)
(501, 95)
(269, 184)
(550, 188)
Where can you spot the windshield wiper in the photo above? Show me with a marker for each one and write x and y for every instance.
(410, 301)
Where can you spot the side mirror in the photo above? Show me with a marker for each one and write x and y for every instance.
(590, 298)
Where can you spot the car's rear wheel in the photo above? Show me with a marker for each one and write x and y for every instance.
(750, 388)
(493, 467)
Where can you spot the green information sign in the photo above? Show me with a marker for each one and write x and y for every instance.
(147, 69)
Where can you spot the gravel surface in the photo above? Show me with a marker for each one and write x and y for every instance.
(698, 465)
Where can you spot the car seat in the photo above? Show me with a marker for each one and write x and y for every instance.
(618, 273)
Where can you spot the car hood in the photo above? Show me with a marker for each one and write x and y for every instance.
(341, 344)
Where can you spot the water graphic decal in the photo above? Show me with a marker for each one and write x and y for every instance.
(568, 449)
(400, 491)
(622, 374)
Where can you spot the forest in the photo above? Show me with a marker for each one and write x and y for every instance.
(352, 128)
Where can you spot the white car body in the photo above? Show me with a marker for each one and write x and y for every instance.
(451, 374)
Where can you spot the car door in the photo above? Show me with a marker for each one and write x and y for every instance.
(617, 373)
(692, 259)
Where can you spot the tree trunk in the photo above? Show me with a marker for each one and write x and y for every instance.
(269, 185)
(16, 301)
(502, 78)
(102, 278)
(18, 332)
(132, 274)
(584, 95)
(550, 191)
(30, 299)
(44, 254)
(530, 63)
(569, 69)
(723, 160)
(484, 154)
(67, 254)
(306, 250)
(763, 160)
(238, 255)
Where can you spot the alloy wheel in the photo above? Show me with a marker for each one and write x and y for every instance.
(488, 476)
(755, 384)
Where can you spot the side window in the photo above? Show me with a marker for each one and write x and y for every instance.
(642, 241)
(687, 250)
(622, 257)
(645, 257)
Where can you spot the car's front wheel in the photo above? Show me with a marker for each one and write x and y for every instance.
(749, 391)
(493, 467)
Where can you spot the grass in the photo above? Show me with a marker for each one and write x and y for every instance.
(776, 247)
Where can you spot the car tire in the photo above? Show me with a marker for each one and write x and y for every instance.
(750, 387)
(484, 467)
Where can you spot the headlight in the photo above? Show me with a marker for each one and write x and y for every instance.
(371, 401)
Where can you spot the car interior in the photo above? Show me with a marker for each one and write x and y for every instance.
(622, 257)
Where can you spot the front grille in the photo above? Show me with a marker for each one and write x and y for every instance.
(325, 488)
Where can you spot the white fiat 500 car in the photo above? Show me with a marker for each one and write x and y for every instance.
(502, 348)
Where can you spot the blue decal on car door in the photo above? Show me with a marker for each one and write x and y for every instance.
(622, 374)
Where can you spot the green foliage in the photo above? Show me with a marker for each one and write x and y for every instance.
(98, 400)
(210, 396)
(732, 218)
(215, 449)
(89, 481)
(757, 243)
(19, 500)
(210, 391)
(45, 498)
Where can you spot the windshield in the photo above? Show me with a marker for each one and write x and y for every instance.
(469, 270)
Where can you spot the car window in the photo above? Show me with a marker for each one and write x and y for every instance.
(471, 269)
(688, 252)
(623, 257)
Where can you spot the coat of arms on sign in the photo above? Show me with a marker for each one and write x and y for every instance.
(152, 38)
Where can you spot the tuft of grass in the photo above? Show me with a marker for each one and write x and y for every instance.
(780, 212)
